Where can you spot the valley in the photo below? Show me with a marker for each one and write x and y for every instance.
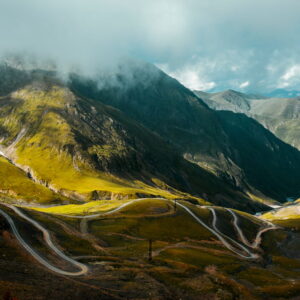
(149, 150)
(209, 241)
(110, 192)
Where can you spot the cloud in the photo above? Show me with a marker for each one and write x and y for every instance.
(244, 84)
(291, 77)
(213, 72)
(192, 80)
(291, 73)
(208, 44)
(189, 77)
(91, 32)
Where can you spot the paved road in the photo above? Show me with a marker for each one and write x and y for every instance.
(214, 230)
(111, 211)
(249, 255)
(238, 229)
(227, 241)
(83, 268)
(257, 241)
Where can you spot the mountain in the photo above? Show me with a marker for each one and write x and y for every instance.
(82, 149)
(15, 183)
(143, 134)
(280, 115)
(203, 136)
(285, 214)
(236, 101)
(109, 187)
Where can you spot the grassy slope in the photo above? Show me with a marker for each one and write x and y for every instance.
(188, 259)
(88, 151)
(82, 209)
(51, 150)
(223, 143)
(192, 249)
(14, 182)
(286, 217)
(94, 145)
(284, 213)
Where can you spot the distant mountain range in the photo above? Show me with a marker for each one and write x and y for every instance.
(280, 115)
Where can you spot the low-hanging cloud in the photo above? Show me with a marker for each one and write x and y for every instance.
(209, 44)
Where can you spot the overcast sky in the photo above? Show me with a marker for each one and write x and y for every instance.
(250, 45)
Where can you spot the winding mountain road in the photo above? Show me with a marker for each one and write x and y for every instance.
(229, 246)
(83, 268)
(214, 230)
(238, 248)
(255, 244)
(109, 212)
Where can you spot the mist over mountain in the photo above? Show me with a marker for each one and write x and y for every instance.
(220, 143)
(201, 135)
(183, 38)
(149, 149)
(96, 138)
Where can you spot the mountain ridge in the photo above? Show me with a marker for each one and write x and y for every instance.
(48, 128)
(279, 115)
(149, 137)
(171, 111)
(133, 183)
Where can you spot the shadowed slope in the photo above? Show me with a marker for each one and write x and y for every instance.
(201, 135)
(86, 150)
